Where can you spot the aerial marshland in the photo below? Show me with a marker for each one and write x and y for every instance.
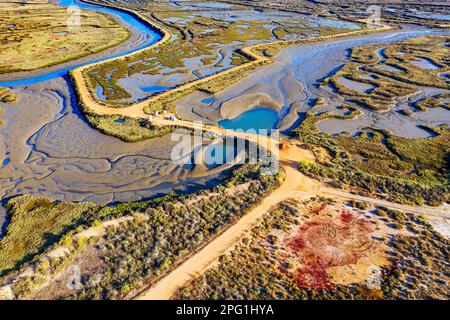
(205, 39)
(88, 179)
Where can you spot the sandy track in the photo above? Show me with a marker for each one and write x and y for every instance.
(441, 211)
(137, 110)
(296, 186)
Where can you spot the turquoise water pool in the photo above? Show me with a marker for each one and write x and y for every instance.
(261, 118)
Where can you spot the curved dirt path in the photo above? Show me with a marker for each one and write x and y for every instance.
(296, 185)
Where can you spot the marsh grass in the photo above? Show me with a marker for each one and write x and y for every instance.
(404, 170)
(391, 84)
(124, 128)
(9, 98)
(127, 129)
(3, 90)
(211, 86)
(172, 231)
(6, 97)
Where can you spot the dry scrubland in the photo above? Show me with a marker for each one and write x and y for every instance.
(34, 36)
(284, 257)
(319, 249)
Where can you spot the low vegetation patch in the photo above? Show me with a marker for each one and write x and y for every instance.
(164, 102)
(36, 223)
(409, 171)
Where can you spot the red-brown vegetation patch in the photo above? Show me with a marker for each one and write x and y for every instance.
(328, 242)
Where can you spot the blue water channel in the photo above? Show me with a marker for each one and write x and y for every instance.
(132, 22)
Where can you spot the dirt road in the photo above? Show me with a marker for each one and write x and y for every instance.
(296, 186)
(441, 212)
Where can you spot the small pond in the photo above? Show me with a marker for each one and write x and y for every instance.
(260, 118)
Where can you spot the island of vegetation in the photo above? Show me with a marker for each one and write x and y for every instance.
(35, 36)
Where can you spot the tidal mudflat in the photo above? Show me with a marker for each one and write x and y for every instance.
(53, 152)
(291, 85)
